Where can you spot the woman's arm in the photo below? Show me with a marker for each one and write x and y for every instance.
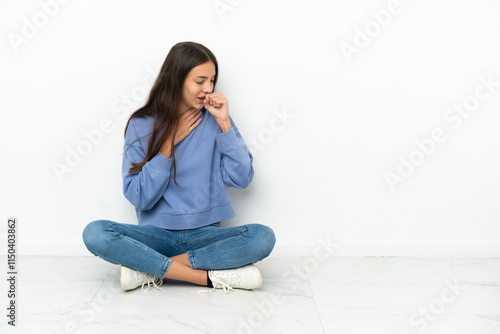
(144, 188)
(236, 162)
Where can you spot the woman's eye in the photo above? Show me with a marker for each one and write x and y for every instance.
(199, 83)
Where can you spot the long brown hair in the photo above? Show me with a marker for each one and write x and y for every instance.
(166, 95)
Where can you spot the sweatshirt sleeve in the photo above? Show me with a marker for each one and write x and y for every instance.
(236, 162)
(144, 188)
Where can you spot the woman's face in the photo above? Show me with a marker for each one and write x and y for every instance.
(199, 82)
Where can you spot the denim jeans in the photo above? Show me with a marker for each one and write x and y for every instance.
(148, 249)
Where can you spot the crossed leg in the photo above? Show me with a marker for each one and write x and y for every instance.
(208, 248)
(180, 270)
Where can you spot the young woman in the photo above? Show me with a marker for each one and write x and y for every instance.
(181, 151)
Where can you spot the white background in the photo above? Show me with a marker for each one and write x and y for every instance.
(321, 174)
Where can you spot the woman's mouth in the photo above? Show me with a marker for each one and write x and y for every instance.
(201, 99)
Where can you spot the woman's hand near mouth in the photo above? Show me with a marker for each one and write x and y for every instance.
(217, 105)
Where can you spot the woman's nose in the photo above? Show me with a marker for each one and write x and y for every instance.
(207, 87)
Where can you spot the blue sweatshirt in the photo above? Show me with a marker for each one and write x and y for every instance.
(207, 161)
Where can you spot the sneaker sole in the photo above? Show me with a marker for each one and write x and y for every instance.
(123, 278)
(258, 274)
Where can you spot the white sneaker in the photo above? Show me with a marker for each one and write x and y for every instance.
(247, 277)
(131, 279)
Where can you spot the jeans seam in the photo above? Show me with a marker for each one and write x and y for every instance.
(150, 250)
(249, 230)
(166, 267)
(138, 232)
(191, 260)
(241, 235)
(153, 252)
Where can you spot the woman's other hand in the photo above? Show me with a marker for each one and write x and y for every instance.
(188, 122)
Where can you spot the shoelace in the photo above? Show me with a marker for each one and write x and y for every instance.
(222, 282)
(216, 282)
(150, 279)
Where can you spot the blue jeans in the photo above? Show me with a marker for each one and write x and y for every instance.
(148, 249)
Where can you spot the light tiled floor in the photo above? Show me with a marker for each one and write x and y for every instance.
(300, 295)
